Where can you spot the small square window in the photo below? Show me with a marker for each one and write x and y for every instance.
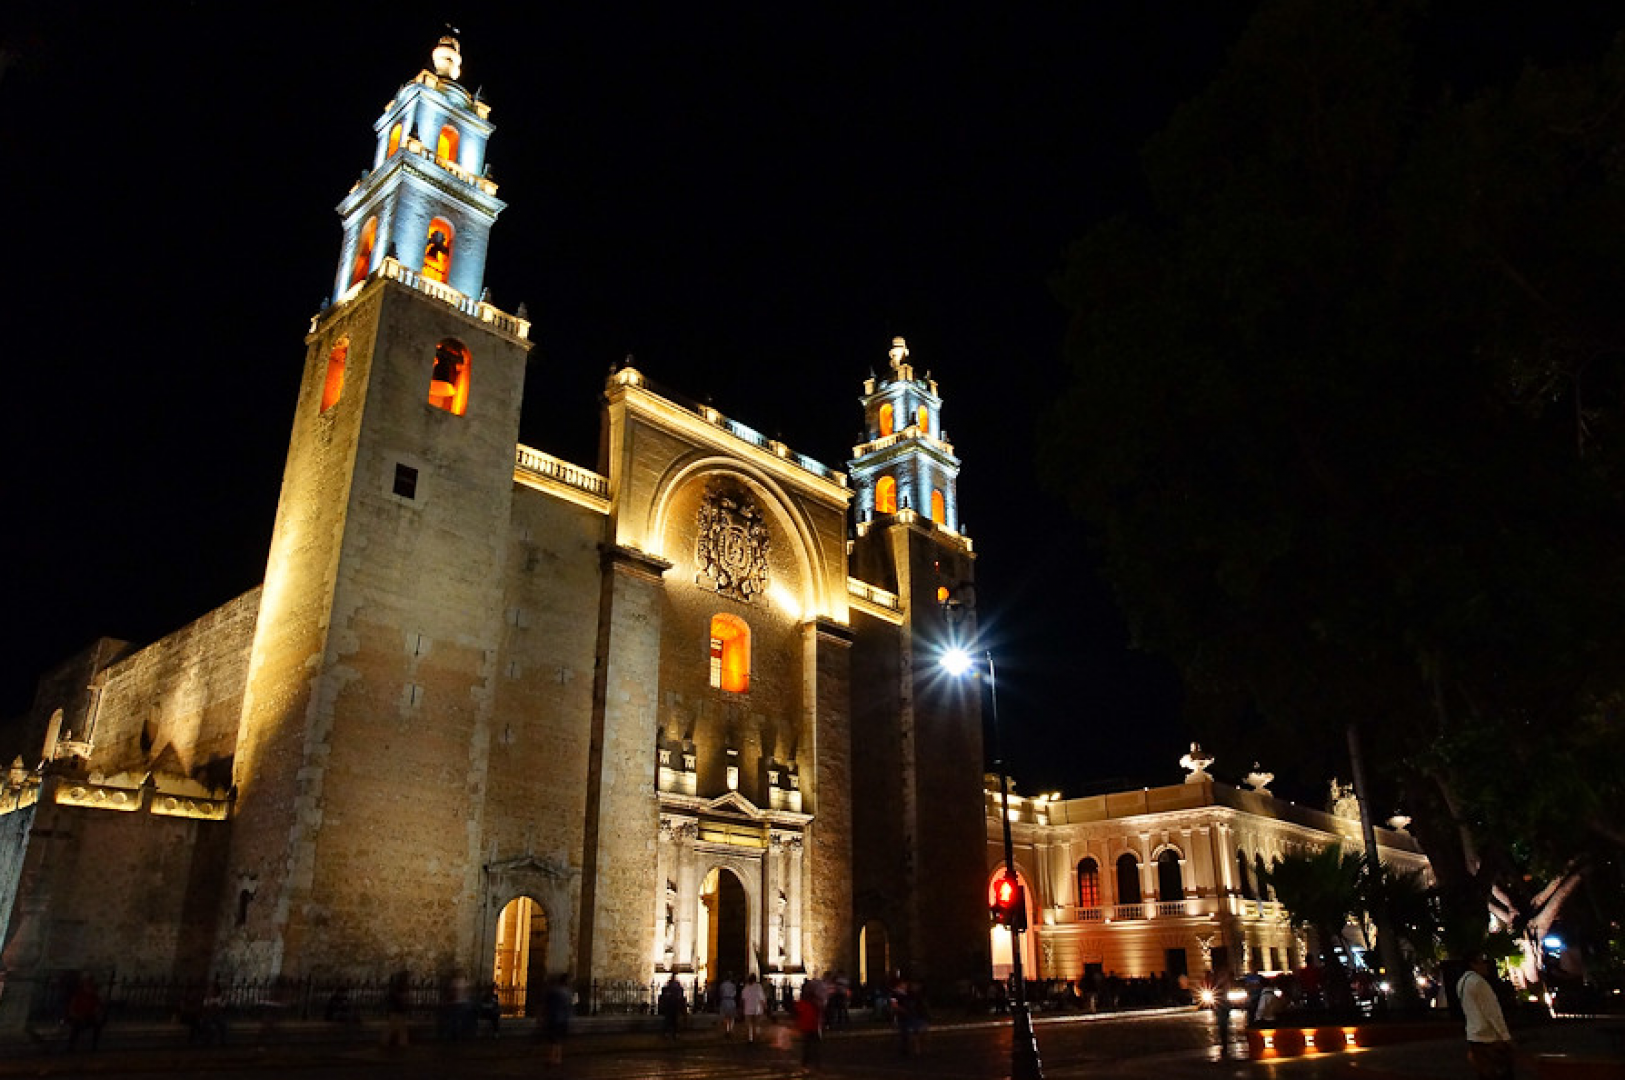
(406, 481)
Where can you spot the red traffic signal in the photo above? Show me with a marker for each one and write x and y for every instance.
(1009, 906)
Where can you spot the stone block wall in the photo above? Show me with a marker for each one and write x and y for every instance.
(174, 706)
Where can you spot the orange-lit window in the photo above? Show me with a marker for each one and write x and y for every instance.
(888, 423)
(923, 419)
(445, 148)
(730, 653)
(939, 509)
(334, 386)
(437, 250)
(394, 141)
(886, 495)
(1088, 883)
(363, 251)
(942, 594)
(448, 383)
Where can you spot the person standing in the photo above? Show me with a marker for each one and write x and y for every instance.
(1489, 1043)
(754, 1000)
(1219, 983)
(672, 1006)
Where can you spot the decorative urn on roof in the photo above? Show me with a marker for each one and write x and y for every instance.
(1197, 762)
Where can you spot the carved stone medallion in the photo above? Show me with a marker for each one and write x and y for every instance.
(730, 554)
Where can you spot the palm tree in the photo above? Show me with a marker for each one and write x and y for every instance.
(1321, 892)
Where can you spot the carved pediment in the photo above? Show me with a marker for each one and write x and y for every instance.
(533, 865)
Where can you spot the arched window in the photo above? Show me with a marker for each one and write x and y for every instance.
(888, 422)
(886, 495)
(922, 417)
(730, 653)
(1170, 881)
(1263, 888)
(1088, 883)
(1244, 878)
(394, 140)
(437, 250)
(939, 508)
(448, 383)
(1128, 879)
(333, 387)
(363, 250)
(445, 148)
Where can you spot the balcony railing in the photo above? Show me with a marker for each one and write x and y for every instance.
(1128, 911)
(896, 437)
(537, 463)
(479, 309)
(1167, 909)
(879, 597)
(1091, 914)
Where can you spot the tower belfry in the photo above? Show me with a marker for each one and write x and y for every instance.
(905, 461)
(426, 203)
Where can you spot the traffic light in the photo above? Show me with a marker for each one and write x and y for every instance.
(1009, 907)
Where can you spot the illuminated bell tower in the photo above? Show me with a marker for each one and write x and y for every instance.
(426, 202)
(906, 461)
(360, 768)
(916, 735)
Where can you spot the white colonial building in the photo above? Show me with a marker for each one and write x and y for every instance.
(1165, 879)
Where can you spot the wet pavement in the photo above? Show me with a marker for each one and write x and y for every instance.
(1162, 1044)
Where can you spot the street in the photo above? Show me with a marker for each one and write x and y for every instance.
(1145, 1045)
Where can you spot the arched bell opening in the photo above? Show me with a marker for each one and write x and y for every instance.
(437, 247)
(363, 251)
(448, 380)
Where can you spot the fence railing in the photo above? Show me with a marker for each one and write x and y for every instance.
(158, 999)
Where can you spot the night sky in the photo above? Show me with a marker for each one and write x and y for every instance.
(749, 199)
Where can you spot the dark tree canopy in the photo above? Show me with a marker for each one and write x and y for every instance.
(1346, 416)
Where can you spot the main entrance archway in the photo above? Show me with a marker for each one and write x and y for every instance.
(723, 945)
(521, 955)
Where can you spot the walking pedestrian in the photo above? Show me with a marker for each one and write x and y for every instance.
(754, 1000)
(728, 1004)
(556, 1009)
(1489, 1043)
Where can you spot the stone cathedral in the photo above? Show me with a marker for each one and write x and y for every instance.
(489, 710)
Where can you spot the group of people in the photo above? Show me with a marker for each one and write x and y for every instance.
(820, 1003)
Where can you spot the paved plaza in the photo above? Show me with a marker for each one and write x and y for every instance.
(1171, 1044)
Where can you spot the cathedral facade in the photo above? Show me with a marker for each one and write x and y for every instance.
(495, 711)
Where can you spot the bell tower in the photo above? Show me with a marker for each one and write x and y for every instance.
(916, 735)
(369, 687)
(905, 461)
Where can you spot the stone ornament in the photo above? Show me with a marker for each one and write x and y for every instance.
(730, 554)
(1196, 763)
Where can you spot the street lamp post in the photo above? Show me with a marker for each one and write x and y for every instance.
(1024, 1060)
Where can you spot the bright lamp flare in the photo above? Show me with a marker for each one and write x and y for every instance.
(956, 661)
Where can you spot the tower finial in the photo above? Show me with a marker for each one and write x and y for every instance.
(898, 352)
(447, 56)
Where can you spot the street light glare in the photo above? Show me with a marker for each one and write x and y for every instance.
(956, 661)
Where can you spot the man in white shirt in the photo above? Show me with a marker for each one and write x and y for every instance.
(1489, 1043)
